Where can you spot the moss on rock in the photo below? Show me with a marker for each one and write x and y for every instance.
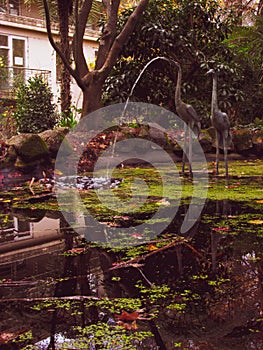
(53, 140)
(29, 147)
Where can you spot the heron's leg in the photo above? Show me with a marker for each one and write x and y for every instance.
(217, 152)
(225, 154)
(184, 150)
(190, 152)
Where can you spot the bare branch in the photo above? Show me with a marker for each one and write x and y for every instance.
(106, 4)
(57, 49)
(137, 262)
(122, 38)
(81, 19)
(71, 297)
(109, 32)
(134, 261)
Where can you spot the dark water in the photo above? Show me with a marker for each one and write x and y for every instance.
(203, 291)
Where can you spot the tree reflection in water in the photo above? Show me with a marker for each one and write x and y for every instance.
(201, 291)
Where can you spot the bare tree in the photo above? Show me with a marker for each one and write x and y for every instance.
(110, 45)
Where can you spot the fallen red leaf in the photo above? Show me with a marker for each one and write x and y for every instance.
(128, 326)
(17, 174)
(6, 337)
(128, 316)
(76, 250)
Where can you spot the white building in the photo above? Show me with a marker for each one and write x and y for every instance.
(26, 51)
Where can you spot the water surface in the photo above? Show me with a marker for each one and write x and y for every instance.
(202, 290)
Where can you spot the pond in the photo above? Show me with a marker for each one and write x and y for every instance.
(62, 289)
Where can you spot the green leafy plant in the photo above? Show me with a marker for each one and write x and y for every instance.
(69, 120)
(107, 337)
(189, 32)
(35, 111)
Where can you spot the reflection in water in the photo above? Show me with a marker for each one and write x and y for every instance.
(206, 291)
(26, 240)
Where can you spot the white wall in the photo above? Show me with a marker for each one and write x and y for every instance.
(41, 55)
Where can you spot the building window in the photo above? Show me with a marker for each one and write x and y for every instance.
(11, 7)
(13, 50)
(4, 50)
(18, 60)
(4, 62)
(12, 60)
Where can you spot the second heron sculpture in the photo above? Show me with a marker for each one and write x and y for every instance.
(191, 120)
(221, 123)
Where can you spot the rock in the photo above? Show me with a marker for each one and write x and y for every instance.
(157, 134)
(144, 131)
(175, 142)
(53, 140)
(10, 155)
(206, 142)
(257, 140)
(211, 135)
(29, 147)
(242, 140)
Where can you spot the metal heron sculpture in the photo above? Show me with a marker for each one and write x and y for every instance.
(188, 114)
(221, 123)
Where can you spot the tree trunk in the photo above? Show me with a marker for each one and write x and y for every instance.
(65, 94)
(91, 98)
(64, 8)
(260, 8)
(111, 44)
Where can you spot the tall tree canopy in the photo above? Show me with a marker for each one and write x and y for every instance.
(111, 42)
(195, 34)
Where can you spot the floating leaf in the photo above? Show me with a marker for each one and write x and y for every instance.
(256, 222)
(164, 202)
(115, 278)
(6, 201)
(75, 251)
(221, 229)
(137, 235)
(58, 172)
(152, 247)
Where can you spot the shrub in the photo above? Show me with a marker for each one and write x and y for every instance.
(35, 111)
(8, 125)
